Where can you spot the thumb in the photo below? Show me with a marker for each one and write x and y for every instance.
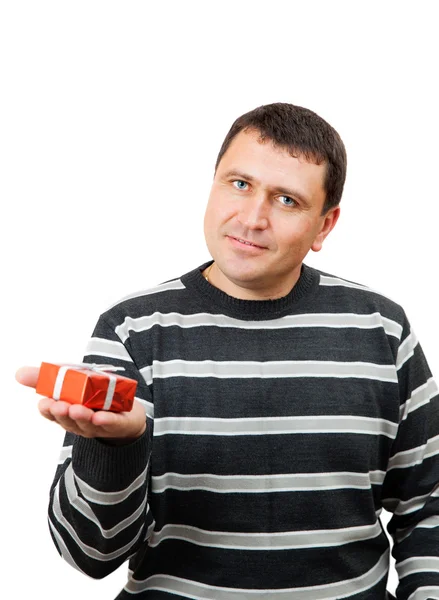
(27, 376)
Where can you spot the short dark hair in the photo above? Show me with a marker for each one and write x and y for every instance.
(303, 133)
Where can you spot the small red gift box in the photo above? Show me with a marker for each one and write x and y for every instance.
(94, 386)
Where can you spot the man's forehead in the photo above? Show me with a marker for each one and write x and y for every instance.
(252, 141)
(246, 150)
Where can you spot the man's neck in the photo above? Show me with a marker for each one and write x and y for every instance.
(216, 277)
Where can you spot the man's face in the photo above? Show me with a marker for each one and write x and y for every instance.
(261, 194)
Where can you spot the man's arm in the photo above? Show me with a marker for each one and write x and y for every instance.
(98, 512)
(411, 485)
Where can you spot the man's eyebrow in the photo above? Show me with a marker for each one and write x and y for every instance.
(279, 189)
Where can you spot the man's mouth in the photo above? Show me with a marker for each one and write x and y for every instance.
(246, 242)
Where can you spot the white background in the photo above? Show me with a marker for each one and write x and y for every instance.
(112, 114)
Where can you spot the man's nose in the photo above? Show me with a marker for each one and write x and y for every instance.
(253, 212)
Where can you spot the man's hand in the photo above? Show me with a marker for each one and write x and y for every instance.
(120, 428)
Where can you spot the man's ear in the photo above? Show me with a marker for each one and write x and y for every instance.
(328, 223)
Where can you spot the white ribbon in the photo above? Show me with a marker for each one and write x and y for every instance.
(102, 369)
(93, 367)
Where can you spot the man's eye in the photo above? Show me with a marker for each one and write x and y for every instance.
(240, 184)
(288, 201)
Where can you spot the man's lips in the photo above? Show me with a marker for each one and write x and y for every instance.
(248, 243)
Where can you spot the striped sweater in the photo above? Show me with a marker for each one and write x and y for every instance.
(277, 432)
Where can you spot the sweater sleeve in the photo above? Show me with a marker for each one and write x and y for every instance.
(98, 511)
(411, 484)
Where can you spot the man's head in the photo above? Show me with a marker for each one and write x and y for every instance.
(278, 181)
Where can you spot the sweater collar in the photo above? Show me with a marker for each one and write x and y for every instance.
(250, 309)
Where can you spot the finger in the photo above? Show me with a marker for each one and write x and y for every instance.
(79, 412)
(52, 409)
(70, 416)
(44, 408)
(27, 376)
(109, 421)
(57, 408)
(47, 406)
(82, 418)
(58, 411)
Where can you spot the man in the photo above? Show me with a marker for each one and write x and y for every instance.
(285, 406)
